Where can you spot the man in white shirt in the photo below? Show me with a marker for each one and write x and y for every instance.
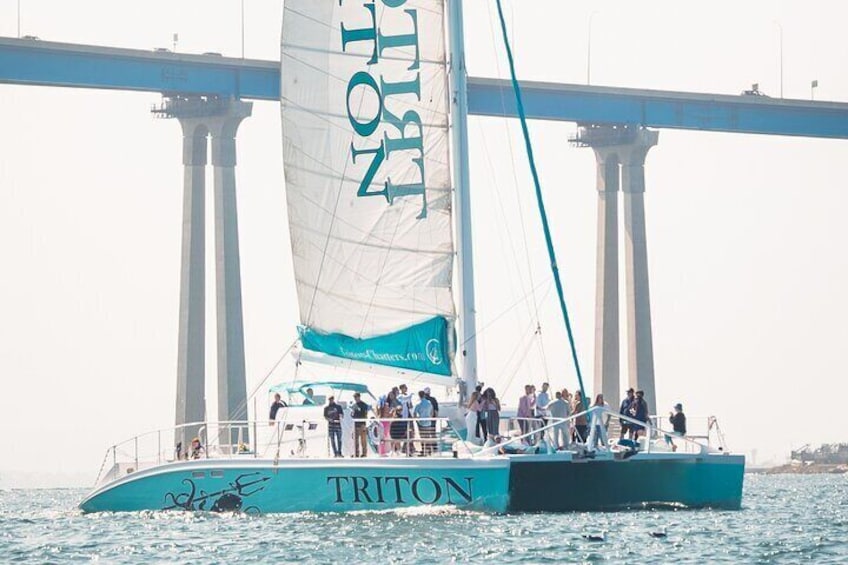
(426, 426)
(542, 401)
(559, 410)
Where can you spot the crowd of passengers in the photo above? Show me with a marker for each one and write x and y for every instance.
(399, 412)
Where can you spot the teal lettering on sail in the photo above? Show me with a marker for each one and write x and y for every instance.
(422, 347)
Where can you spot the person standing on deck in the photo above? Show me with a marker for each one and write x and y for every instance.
(629, 397)
(559, 410)
(359, 413)
(581, 423)
(599, 424)
(432, 401)
(405, 400)
(309, 400)
(275, 407)
(491, 407)
(639, 411)
(426, 429)
(526, 406)
(479, 416)
(542, 401)
(333, 414)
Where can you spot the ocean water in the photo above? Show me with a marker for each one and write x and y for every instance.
(785, 519)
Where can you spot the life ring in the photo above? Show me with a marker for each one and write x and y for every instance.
(376, 433)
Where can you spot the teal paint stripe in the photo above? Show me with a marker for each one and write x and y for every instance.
(541, 202)
(423, 347)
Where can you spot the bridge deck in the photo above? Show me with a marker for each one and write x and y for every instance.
(43, 63)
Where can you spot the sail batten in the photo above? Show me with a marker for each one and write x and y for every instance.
(364, 102)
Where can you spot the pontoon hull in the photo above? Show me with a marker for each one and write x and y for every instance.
(542, 484)
(259, 486)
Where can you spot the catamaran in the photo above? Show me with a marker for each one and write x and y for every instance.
(376, 170)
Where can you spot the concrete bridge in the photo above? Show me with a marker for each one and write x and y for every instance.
(210, 95)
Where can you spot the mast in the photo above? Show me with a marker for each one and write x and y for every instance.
(462, 199)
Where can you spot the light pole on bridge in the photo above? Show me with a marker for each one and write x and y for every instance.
(589, 50)
(780, 28)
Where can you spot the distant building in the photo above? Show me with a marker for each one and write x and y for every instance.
(829, 454)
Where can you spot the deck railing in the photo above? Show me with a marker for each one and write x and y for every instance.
(652, 437)
(310, 438)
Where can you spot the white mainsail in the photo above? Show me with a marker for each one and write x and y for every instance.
(365, 143)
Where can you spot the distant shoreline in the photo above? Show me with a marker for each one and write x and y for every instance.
(798, 469)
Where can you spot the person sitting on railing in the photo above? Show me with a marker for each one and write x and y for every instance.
(333, 414)
(196, 450)
(581, 424)
(275, 407)
(678, 423)
(559, 410)
(426, 426)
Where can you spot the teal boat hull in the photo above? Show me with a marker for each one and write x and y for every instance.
(331, 485)
(545, 484)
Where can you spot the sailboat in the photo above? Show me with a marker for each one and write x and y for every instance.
(376, 170)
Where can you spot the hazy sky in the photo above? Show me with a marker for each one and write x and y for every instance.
(745, 233)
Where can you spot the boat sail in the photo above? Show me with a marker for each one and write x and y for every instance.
(365, 141)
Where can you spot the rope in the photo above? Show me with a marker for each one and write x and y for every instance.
(520, 105)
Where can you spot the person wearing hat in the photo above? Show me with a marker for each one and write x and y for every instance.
(333, 413)
(196, 450)
(433, 401)
(624, 409)
(359, 413)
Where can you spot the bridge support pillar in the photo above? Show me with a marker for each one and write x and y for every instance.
(191, 350)
(624, 146)
(202, 118)
(640, 348)
(606, 378)
(232, 380)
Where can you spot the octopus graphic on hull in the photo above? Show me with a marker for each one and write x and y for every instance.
(228, 499)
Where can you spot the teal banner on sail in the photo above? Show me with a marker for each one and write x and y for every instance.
(423, 347)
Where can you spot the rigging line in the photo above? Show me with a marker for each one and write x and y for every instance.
(523, 344)
(507, 310)
(520, 104)
(539, 342)
(243, 404)
(509, 241)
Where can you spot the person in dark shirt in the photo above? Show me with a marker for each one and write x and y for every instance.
(275, 407)
(678, 419)
(639, 411)
(678, 422)
(359, 412)
(624, 409)
(308, 399)
(333, 414)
